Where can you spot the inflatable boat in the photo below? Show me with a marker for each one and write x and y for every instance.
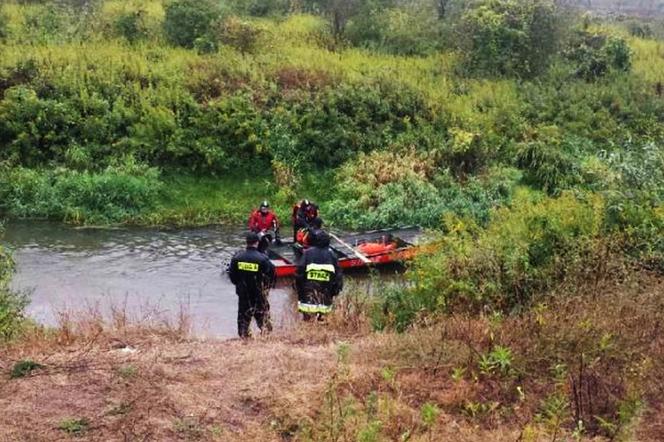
(354, 250)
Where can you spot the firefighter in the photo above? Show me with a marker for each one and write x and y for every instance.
(318, 278)
(304, 213)
(253, 274)
(264, 220)
(308, 235)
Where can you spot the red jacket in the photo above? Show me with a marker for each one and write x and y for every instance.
(259, 222)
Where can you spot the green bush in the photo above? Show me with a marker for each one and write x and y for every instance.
(131, 26)
(239, 34)
(46, 24)
(387, 189)
(261, 8)
(509, 37)
(333, 125)
(12, 305)
(404, 31)
(595, 55)
(550, 163)
(188, 20)
(4, 26)
(118, 194)
(523, 251)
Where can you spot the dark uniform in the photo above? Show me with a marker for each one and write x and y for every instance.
(318, 278)
(253, 274)
(303, 214)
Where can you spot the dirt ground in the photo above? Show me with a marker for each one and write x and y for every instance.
(116, 381)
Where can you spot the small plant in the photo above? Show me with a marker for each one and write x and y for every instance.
(476, 410)
(498, 360)
(458, 373)
(429, 414)
(74, 426)
(24, 368)
(127, 371)
(120, 409)
(189, 427)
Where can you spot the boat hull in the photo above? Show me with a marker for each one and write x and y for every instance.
(286, 268)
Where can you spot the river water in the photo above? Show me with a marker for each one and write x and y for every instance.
(146, 272)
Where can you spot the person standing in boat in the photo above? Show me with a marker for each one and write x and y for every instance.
(253, 274)
(307, 236)
(264, 220)
(318, 278)
(304, 213)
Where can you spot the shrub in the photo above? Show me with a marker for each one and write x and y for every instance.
(131, 26)
(261, 8)
(522, 252)
(405, 31)
(509, 37)
(12, 305)
(118, 194)
(239, 34)
(387, 189)
(334, 124)
(548, 162)
(46, 24)
(23, 368)
(4, 26)
(188, 20)
(595, 55)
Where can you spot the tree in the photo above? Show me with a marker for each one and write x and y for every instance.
(509, 37)
(441, 5)
(339, 13)
(188, 20)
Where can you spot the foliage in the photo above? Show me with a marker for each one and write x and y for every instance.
(114, 195)
(132, 26)
(595, 55)
(4, 26)
(239, 34)
(405, 187)
(404, 31)
(188, 20)
(522, 252)
(261, 8)
(510, 37)
(550, 163)
(23, 368)
(12, 305)
(74, 426)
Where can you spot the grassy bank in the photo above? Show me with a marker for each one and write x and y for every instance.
(107, 110)
(585, 365)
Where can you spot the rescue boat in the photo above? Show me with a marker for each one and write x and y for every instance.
(355, 250)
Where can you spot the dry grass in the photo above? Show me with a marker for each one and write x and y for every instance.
(338, 381)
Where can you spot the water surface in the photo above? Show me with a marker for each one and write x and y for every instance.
(144, 271)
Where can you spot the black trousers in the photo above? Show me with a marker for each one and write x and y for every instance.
(253, 305)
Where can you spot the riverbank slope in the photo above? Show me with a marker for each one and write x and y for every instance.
(462, 378)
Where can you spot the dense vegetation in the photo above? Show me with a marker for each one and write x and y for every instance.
(528, 137)
(118, 98)
(11, 304)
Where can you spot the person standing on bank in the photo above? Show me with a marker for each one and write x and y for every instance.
(253, 275)
(318, 278)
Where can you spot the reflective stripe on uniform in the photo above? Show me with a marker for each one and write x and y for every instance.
(321, 267)
(314, 308)
(247, 266)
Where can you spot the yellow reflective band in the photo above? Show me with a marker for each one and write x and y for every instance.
(321, 267)
(318, 275)
(247, 266)
(314, 308)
